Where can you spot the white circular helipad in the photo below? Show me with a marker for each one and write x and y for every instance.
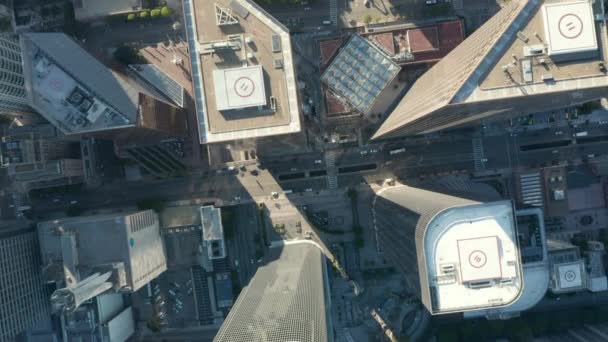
(244, 86)
(570, 275)
(570, 26)
(478, 259)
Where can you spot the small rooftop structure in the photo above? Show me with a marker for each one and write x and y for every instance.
(242, 71)
(570, 30)
(213, 232)
(239, 88)
(360, 72)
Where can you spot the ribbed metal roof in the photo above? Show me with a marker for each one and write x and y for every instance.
(284, 301)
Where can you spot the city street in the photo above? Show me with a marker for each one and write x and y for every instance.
(420, 158)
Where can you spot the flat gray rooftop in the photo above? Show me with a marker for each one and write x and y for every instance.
(72, 89)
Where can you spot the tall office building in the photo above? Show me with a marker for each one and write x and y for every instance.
(13, 98)
(23, 301)
(286, 300)
(532, 56)
(456, 254)
(36, 157)
(89, 255)
(79, 95)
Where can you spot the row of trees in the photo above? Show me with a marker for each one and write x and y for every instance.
(155, 13)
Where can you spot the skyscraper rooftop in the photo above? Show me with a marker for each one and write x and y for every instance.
(286, 300)
(242, 71)
(532, 55)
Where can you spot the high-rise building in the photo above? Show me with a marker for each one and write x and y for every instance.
(13, 98)
(286, 300)
(23, 300)
(89, 255)
(242, 71)
(37, 157)
(532, 56)
(79, 95)
(455, 254)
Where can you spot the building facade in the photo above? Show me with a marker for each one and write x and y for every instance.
(23, 300)
(455, 254)
(37, 157)
(520, 61)
(13, 98)
(286, 300)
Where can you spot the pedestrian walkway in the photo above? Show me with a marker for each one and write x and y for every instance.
(333, 12)
(330, 163)
(531, 189)
(479, 159)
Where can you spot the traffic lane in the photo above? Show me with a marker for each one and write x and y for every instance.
(295, 163)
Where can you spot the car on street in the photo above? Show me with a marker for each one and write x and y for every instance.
(430, 2)
(318, 161)
(363, 152)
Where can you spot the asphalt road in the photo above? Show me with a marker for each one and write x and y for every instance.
(422, 157)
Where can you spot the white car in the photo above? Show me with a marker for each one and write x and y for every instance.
(559, 133)
(308, 190)
(363, 152)
(430, 2)
(318, 161)
(73, 202)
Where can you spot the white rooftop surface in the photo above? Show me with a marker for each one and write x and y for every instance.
(480, 242)
(569, 27)
(212, 223)
(239, 87)
(570, 275)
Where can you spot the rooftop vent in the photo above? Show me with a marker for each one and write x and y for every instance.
(522, 36)
(276, 43)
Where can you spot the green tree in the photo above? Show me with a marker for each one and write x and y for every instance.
(128, 55)
(155, 13)
(367, 19)
(131, 17)
(166, 11)
(144, 14)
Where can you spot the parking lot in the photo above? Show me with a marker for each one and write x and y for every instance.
(168, 299)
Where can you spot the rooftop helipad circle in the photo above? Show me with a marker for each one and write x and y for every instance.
(570, 275)
(244, 86)
(478, 259)
(570, 26)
